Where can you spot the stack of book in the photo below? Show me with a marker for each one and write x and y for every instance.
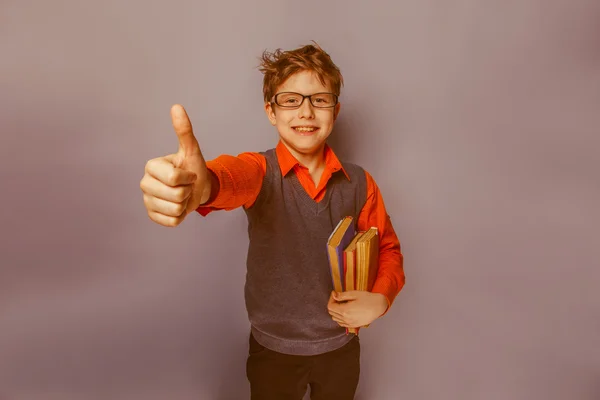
(353, 258)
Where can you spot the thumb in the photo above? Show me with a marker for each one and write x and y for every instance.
(188, 145)
(331, 299)
(346, 296)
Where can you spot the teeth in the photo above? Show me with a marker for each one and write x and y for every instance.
(301, 129)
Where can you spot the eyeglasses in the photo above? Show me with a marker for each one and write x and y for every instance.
(295, 100)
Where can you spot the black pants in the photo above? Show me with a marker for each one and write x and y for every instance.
(276, 376)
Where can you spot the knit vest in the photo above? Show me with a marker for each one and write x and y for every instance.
(288, 281)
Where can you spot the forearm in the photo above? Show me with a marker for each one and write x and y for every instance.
(390, 276)
(235, 182)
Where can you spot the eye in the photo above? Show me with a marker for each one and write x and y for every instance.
(323, 100)
(289, 99)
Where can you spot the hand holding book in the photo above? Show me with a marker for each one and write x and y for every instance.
(354, 261)
(356, 308)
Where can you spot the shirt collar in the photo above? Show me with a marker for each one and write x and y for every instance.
(287, 161)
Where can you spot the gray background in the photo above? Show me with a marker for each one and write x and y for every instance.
(478, 119)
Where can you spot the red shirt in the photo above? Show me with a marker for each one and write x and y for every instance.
(240, 179)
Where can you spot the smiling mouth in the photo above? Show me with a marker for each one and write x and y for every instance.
(305, 129)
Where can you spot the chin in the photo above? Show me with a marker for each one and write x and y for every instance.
(307, 148)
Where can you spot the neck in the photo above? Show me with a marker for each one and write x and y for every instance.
(314, 161)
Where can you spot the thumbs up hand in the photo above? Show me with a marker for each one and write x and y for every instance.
(176, 184)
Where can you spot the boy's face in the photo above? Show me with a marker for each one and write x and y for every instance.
(304, 129)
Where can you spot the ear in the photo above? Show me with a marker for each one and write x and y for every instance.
(270, 114)
(336, 110)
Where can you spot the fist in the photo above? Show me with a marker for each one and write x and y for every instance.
(176, 184)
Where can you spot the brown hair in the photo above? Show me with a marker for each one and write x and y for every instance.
(279, 65)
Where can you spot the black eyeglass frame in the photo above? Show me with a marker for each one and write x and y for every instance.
(310, 98)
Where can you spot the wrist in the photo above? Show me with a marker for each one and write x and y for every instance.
(211, 189)
(384, 304)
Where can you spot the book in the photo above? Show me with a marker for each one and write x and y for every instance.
(339, 239)
(350, 263)
(350, 269)
(353, 258)
(367, 259)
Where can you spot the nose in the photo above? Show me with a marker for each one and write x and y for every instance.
(306, 109)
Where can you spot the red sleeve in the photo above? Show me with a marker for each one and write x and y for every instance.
(390, 276)
(240, 180)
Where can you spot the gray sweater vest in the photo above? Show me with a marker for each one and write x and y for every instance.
(288, 282)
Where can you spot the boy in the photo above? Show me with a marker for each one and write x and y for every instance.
(293, 195)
